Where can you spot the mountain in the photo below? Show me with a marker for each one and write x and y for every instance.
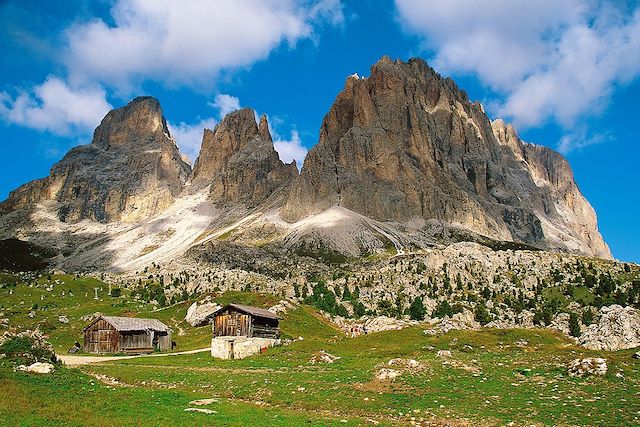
(405, 163)
(131, 171)
(406, 145)
(239, 163)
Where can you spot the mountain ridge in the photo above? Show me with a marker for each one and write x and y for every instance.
(404, 160)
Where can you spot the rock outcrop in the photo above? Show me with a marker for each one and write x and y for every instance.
(131, 170)
(588, 366)
(239, 162)
(617, 329)
(200, 313)
(406, 144)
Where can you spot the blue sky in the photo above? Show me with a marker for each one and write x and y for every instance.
(564, 72)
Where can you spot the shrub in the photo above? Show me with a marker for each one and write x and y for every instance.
(587, 317)
(443, 309)
(26, 348)
(116, 292)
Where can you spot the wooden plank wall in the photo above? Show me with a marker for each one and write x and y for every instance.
(101, 337)
(233, 324)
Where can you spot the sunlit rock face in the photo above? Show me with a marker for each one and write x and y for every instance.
(239, 163)
(131, 170)
(405, 144)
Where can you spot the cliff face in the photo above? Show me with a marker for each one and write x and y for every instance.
(131, 170)
(238, 160)
(404, 159)
(405, 143)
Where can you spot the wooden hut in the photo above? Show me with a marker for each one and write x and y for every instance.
(109, 334)
(245, 321)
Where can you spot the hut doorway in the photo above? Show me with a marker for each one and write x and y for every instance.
(231, 343)
(155, 341)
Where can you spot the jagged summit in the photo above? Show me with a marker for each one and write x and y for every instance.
(131, 170)
(404, 160)
(141, 117)
(237, 159)
(406, 144)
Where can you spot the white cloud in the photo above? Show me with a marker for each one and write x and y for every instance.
(188, 41)
(225, 104)
(581, 139)
(291, 149)
(189, 136)
(56, 107)
(545, 59)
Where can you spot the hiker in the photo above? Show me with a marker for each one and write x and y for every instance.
(364, 329)
(173, 345)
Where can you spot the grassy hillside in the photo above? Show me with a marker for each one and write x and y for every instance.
(50, 297)
(493, 377)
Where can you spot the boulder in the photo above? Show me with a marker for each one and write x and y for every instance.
(323, 357)
(385, 374)
(200, 313)
(561, 323)
(587, 366)
(37, 368)
(90, 317)
(459, 321)
(283, 306)
(618, 328)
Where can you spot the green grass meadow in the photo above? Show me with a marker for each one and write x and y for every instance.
(493, 377)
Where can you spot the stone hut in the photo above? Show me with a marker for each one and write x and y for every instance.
(241, 330)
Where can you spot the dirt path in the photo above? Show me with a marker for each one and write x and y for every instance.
(85, 360)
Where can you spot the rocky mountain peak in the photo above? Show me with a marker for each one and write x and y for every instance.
(131, 170)
(406, 144)
(263, 129)
(239, 163)
(139, 119)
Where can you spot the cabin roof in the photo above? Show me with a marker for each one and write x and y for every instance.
(253, 311)
(132, 324)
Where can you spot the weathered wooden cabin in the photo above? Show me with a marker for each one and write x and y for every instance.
(245, 321)
(109, 334)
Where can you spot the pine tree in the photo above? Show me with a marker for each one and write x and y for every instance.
(346, 293)
(574, 325)
(417, 310)
(481, 314)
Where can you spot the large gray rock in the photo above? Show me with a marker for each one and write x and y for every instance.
(618, 328)
(588, 366)
(131, 171)
(406, 144)
(37, 368)
(201, 312)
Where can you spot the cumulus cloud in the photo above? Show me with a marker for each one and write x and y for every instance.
(56, 107)
(188, 41)
(291, 149)
(225, 104)
(546, 60)
(174, 43)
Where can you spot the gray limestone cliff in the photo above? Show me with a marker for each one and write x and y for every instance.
(405, 143)
(131, 170)
(237, 159)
